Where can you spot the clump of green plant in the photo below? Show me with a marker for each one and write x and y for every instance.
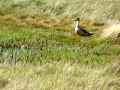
(40, 45)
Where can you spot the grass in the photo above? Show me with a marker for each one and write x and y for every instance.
(39, 50)
(34, 58)
(59, 75)
(100, 11)
(38, 45)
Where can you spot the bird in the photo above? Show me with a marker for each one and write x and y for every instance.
(79, 30)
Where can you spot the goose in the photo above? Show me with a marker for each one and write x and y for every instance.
(79, 30)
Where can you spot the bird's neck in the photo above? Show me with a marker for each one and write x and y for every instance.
(76, 25)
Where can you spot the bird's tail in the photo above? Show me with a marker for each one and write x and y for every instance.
(89, 34)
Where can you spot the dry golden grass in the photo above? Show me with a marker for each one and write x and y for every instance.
(64, 23)
(29, 21)
(59, 76)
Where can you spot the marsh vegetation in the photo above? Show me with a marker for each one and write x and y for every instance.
(39, 50)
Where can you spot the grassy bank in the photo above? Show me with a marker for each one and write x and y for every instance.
(40, 45)
(101, 11)
(39, 50)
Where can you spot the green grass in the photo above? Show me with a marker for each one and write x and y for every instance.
(48, 45)
(38, 58)
(39, 50)
(54, 58)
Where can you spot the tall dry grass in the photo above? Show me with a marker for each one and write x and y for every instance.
(60, 76)
(99, 10)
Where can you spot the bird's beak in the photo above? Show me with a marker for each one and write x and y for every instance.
(74, 20)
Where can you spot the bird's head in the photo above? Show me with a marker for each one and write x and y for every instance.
(77, 19)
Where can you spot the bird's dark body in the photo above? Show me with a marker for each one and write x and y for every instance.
(83, 32)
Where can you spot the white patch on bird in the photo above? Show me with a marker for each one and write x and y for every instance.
(76, 26)
(111, 31)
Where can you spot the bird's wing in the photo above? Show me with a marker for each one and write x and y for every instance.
(83, 31)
